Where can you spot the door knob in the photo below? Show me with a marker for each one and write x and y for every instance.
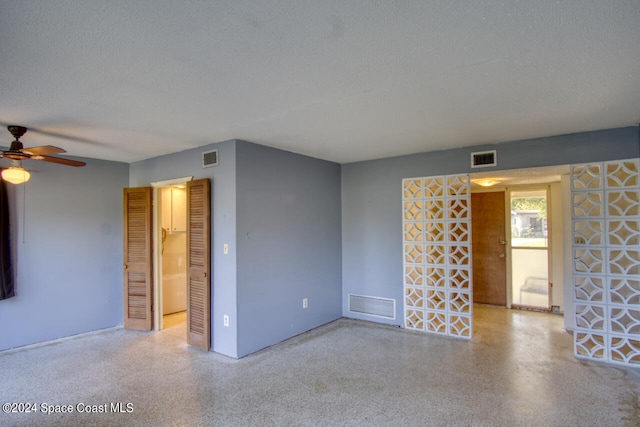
(501, 255)
(502, 242)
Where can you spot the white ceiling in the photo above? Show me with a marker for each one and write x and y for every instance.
(339, 80)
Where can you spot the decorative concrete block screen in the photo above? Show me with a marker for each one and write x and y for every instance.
(606, 260)
(437, 255)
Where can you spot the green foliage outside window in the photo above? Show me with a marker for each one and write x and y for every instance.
(530, 204)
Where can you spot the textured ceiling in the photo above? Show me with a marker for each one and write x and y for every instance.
(339, 80)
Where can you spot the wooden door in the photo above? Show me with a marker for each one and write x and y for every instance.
(198, 263)
(489, 248)
(137, 220)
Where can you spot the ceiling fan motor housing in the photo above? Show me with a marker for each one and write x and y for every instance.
(15, 151)
(17, 131)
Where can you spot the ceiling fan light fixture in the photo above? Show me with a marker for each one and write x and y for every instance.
(16, 174)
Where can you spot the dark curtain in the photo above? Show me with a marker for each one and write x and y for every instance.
(6, 266)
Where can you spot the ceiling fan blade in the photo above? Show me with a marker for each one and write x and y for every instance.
(60, 161)
(44, 149)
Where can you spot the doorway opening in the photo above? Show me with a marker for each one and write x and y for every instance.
(143, 252)
(530, 255)
(518, 269)
(170, 272)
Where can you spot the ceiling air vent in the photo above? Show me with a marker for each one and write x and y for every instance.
(210, 158)
(483, 159)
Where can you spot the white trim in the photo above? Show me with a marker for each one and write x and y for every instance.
(157, 258)
(174, 181)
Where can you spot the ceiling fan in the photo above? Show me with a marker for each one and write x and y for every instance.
(17, 153)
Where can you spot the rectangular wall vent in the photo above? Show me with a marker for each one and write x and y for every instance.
(483, 159)
(372, 306)
(210, 158)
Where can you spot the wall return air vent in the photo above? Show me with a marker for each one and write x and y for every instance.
(210, 158)
(372, 306)
(483, 159)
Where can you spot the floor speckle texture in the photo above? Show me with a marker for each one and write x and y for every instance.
(519, 370)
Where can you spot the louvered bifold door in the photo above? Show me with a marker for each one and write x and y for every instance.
(137, 258)
(198, 263)
(437, 255)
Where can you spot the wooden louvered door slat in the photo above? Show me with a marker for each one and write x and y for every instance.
(137, 258)
(198, 262)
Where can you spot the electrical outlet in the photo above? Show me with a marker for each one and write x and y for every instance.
(305, 303)
(225, 320)
(225, 249)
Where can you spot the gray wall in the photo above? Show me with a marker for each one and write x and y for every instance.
(289, 245)
(296, 227)
(67, 224)
(372, 210)
(223, 212)
(280, 215)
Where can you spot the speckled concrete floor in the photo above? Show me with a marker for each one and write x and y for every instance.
(518, 370)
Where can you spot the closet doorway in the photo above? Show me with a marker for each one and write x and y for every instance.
(142, 254)
(172, 265)
(182, 221)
